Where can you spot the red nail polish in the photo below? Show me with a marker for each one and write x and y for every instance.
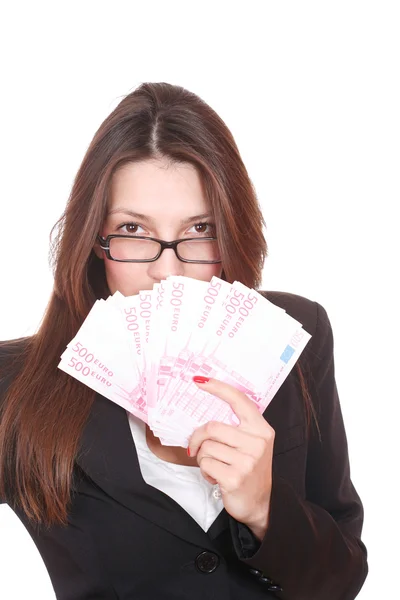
(200, 379)
(188, 451)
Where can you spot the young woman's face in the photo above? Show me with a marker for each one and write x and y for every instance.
(169, 199)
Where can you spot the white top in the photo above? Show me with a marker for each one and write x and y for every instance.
(186, 485)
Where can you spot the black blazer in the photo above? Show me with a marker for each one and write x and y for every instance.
(128, 540)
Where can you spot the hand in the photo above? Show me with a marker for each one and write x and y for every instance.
(238, 458)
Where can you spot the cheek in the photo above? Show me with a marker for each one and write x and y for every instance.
(126, 278)
(129, 279)
(203, 272)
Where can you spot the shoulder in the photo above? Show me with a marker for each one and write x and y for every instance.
(314, 319)
(300, 308)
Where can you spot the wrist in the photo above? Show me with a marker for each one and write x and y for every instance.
(259, 526)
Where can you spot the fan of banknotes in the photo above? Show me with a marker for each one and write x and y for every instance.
(142, 351)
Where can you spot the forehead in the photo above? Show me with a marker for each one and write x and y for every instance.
(156, 184)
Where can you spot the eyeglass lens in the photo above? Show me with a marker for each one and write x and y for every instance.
(136, 249)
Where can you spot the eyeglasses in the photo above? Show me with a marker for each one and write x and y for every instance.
(124, 248)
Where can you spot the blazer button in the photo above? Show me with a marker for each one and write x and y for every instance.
(207, 562)
(264, 579)
(256, 572)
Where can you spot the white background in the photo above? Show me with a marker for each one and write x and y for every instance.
(310, 91)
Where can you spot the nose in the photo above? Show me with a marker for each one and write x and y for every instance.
(167, 264)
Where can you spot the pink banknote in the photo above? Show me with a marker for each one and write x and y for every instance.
(142, 351)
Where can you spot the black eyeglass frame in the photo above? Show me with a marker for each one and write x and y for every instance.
(105, 245)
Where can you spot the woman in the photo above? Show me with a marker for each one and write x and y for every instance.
(114, 513)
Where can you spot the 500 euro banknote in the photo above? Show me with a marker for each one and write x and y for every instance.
(100, 357)
(253, 346)
(142, 351)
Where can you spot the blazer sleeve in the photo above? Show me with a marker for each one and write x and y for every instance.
(312, 547)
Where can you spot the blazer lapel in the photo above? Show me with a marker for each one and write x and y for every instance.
(108, 456)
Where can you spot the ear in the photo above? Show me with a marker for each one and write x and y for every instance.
(98, 251)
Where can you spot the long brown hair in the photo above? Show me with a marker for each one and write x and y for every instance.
(44, 410)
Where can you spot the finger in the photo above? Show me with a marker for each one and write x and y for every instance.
(214, 430)
(244, 408)
(225, 434)
(208, 478)
(216, 470)
(221, 452)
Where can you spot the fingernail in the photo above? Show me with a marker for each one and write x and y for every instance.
(200, 379)
(188, 451)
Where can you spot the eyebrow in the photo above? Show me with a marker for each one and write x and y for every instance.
(142, 217)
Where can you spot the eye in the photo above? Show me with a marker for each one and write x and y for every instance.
(204, 227)
(204, 224)
(130, 228)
